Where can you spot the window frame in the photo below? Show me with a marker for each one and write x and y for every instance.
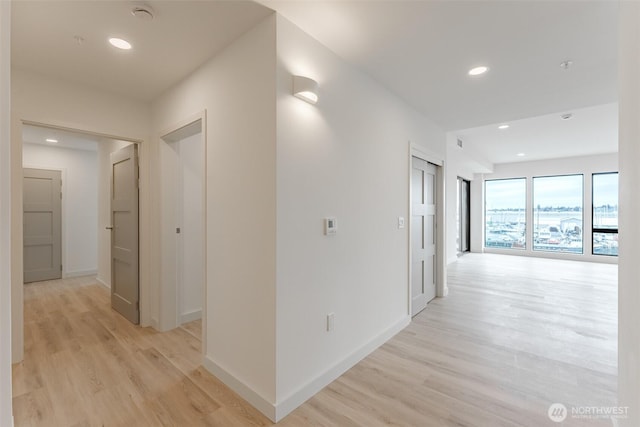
(533, 213)
(526, 225)
(598, 229)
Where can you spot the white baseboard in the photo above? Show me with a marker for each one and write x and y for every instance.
(305, 392)
(103, 283)
(79, 273)
(190, 316)
(256, 400)
(276, 412)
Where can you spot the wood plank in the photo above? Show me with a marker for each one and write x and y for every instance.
(513, 336)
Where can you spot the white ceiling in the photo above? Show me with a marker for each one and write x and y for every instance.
(591, 130)
(182, 36)
(421, 50)
(66, 139)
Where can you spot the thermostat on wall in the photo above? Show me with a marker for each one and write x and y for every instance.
(330, 226)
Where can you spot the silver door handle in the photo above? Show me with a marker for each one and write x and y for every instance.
(109, 228)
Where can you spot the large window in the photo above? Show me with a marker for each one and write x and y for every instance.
(505, 213)
(605, 214)
(557, 213)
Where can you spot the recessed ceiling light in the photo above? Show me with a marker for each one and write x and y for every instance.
(503, 127)
(120, 43)
(566, 116)
(520, 154)
(566, 64)
(51, 140)
(478, 70)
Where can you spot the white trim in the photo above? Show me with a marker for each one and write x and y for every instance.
(246, 392)
(426, 154)
(302, 394)
(190, 316)
(276, 412)
(79, 273)
(603, 259)
(153, 322)
(103, 283)
(78, 130)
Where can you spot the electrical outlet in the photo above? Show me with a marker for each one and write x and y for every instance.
(400, 222)
(330, 322)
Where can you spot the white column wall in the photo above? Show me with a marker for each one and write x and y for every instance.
(629, 242)
(6, 410)
(348, 157)
(236, 88)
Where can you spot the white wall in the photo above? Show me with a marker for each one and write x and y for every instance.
(105, 147)
(629, 244)
(40, 99)
(464, 163)
(237, 90)
(79, 202)
(348, 157)
(6, 411)
(575, 165)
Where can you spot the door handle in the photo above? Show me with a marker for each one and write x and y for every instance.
(109, 228)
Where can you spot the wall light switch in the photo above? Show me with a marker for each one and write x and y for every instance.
(330, 226)
(400, 222)
(330, 325)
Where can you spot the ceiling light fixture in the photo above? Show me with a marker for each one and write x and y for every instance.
(505, 126)
(478, 70)
(566, 116)
(120, 43)
(305, 89)
(520, 154)
(51, 140)
(566, 64)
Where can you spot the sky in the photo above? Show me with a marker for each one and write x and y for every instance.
(552, 191)
(558, 191)
(505, 194)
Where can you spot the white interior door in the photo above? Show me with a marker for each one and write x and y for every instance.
(124, 233)
(423, 236)
(42, 224)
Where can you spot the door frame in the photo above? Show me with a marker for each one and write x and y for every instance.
(425, 154)
(17, 265)
(168, 296)
(460, 180)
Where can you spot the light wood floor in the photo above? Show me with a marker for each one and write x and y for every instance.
(514, 335)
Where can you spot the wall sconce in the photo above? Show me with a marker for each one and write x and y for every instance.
(305, 89)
